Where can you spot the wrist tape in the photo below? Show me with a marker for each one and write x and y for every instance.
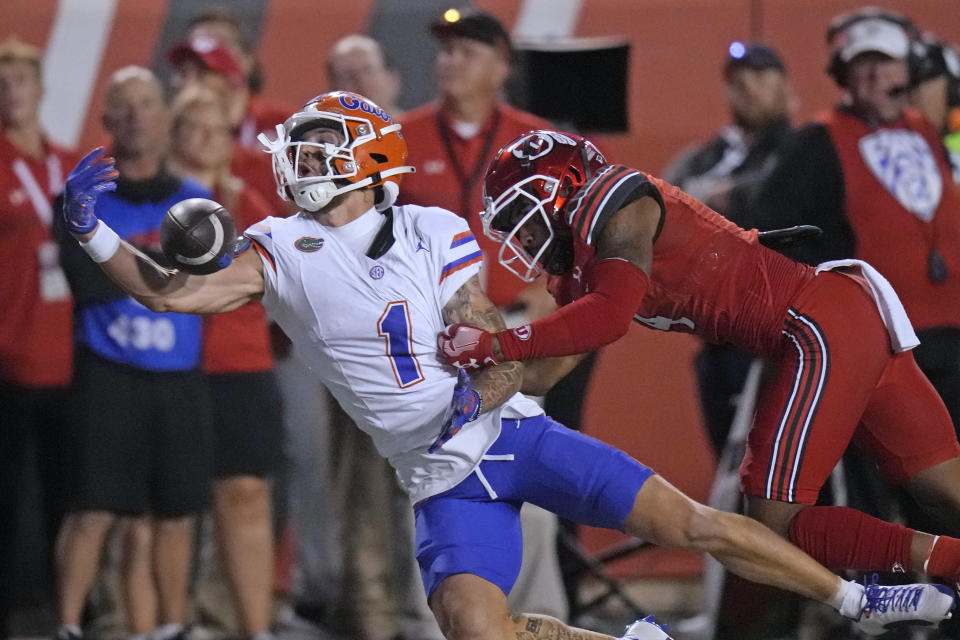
(103, 244)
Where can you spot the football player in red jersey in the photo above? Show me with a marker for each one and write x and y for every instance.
(619, 245)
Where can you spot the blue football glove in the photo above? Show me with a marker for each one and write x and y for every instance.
(93, 175)
(464, 407)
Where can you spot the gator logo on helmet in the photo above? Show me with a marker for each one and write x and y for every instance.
(353, 103)
(306, 244)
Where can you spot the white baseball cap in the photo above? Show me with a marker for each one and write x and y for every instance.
(873, 34)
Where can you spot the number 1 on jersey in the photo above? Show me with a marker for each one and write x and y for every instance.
(394, 328)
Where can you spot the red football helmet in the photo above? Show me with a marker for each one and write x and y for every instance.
(369, 151)
(525, 189)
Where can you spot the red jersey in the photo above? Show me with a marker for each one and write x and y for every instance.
(450, 172)
(36, 323)
(239, 341)
(709, 276)
(902, 204)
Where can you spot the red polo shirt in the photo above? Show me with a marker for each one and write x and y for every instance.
(450, 175)
(36, 324)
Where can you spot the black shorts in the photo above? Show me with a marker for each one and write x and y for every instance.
(144, 439)
(248, 424)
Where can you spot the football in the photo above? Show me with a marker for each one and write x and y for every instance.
(198, 236)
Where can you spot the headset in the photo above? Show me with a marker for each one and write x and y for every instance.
(936, 58)
(837, 68)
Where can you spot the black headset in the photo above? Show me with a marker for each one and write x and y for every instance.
(936, 59)
(837, 68)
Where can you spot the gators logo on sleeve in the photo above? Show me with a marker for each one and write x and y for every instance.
(307, 244)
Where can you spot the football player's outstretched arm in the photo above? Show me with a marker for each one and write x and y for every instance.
(150, 284)
(471, 305)
(160, 289)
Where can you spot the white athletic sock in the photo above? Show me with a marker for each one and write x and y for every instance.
(848, 599)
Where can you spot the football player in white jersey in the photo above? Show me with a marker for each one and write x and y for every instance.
(364, 287)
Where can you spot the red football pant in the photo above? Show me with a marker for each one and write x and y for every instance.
(837, 382)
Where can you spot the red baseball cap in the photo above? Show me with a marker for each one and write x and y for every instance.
(211, 54)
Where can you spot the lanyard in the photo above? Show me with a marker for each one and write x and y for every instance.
(39, 199)
(467, 181)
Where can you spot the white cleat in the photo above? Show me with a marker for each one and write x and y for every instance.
(890, 607)
(646, 629)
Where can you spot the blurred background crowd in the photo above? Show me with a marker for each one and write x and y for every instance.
(175, 477)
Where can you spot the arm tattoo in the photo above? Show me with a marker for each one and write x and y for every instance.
(471, 306)
(496, 384)
(544, 628)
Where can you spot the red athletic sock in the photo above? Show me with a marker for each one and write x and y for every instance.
(944, 559)
(844, 538)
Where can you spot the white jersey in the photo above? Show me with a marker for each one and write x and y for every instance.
(369, 329)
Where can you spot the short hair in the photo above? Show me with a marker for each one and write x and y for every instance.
(131, 72)
(358, 41)
(13, 49)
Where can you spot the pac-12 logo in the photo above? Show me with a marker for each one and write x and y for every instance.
(307, 244)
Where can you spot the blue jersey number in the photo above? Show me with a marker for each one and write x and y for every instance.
(394, 328)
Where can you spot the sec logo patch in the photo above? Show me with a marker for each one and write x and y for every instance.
(376, 272)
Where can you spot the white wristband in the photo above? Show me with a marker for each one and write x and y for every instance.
(103, 244)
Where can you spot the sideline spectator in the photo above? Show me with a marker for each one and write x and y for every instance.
(358, 63)
(937, 93)
(724, 174)
(144, 433)
(251, 112)
(36, 343)
(205, 61)
(454, 135)
(238, 361)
